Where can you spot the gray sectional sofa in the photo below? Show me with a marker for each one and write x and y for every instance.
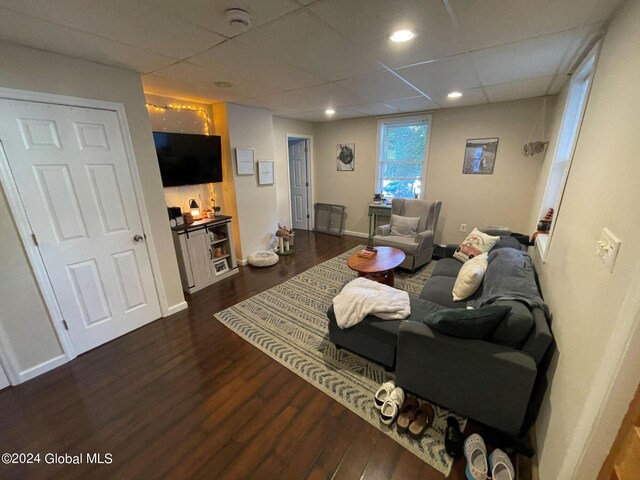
(498, 380)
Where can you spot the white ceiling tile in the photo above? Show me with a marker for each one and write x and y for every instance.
(133, 23)
(302, 40)
(494, 22)
(474, 96)
(413, 104)
(235, 58)
(558, 84)
(241, 88)
(533, 87)
(283, 102)
(453, 73)
(368, 110)
(378, 87)
(582, 39)
(368, 23)
(33, 32)
(185, 89)
(536, 57)
(312, 116)
(210, 14)
(602, 10)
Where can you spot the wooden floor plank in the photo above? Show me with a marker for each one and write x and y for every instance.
(185, 397)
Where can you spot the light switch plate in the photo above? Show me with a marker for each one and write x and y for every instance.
(607, 248)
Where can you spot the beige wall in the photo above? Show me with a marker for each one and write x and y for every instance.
(181, 121)
(282, 127)
(584, 297)
(257, 204)
(23, 317)
(503, 198)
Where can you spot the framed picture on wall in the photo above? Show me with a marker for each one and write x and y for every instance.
(245, 161)
(346, 157)
(480, 156)
(265, 173)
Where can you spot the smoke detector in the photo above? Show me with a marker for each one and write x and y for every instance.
(238, 19)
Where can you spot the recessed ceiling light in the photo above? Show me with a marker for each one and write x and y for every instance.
(224, 84)
(455, 95)
(402, 36)
(329, 111)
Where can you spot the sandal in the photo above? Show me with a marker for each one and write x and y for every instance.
(422, 418)
(475, 451)
(383, 393)
(392, 405)
(406, 414)
(501, 466)
(453, 438)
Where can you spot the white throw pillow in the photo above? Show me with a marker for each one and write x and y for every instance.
(470, 277)
(474, 245)
(404, 226)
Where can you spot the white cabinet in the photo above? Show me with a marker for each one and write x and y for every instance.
(205, 252)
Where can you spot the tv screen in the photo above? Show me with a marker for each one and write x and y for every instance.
(187, 159)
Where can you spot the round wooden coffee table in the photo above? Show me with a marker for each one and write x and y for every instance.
(379, 268)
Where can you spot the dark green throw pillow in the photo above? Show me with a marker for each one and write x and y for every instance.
(474, 323)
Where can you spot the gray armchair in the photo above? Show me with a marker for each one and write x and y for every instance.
(418, 249)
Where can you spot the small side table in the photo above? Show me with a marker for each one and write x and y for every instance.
(376, 211)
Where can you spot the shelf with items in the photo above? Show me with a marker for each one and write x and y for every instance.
(205, 252)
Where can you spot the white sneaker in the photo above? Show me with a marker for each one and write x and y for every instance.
(475, 451)
(501, 466)
(392, 406)
(383, 393)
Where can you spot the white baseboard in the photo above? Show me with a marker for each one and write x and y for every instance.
(242, 261)
(356, 234)
(42, 368)
(178, 307)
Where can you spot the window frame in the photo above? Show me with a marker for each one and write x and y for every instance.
(585, 72)
(427, 118)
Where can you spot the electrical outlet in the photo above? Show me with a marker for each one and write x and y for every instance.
(607, 248)
(463, 227)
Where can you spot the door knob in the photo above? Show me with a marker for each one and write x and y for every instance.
(138, 238)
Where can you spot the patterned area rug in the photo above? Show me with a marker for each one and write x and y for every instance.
(289, 323)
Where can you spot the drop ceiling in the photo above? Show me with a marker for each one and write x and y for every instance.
(300, 57)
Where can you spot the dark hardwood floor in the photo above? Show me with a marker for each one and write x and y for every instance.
(184, 397)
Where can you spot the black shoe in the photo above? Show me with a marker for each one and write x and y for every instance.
(453, 438)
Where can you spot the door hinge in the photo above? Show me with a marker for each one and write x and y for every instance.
(35, 239)
(307, 215)
(306, 184)
(64, 323)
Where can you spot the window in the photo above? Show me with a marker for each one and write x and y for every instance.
(402, 154)
(577, 96)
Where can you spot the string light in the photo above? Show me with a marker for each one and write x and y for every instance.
(200, 111)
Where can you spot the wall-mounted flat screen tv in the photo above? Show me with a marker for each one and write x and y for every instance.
(187, 159)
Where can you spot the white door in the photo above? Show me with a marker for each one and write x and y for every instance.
(4, 381)
(299, 184)
(73, 177)
(200, 257)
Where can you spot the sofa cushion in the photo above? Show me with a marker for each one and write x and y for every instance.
(439, 290)
(447, 267)
(514, 330)
(474, 323)
(470, 277)
(405, 226)
(406, 244)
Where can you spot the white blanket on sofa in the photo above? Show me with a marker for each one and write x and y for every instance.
(362, 297)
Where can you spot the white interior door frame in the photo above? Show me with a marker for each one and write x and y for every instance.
(24, 228)
(309, 145)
